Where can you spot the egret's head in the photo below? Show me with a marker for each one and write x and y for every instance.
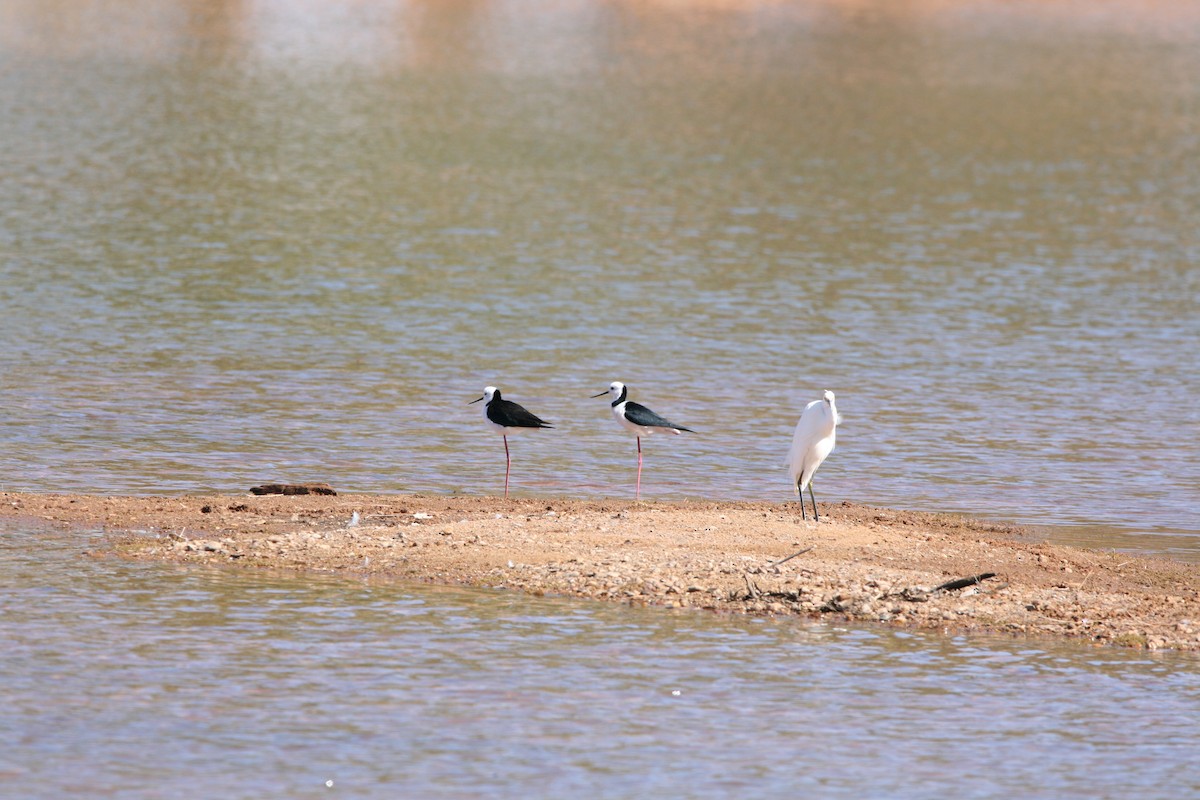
(828, 397)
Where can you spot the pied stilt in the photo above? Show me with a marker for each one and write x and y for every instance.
(813, 441)
(505, 417)
(638, 420)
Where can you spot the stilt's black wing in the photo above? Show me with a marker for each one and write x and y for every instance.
(511, 415)
(638, 414)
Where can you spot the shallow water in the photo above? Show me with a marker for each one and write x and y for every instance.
(259, 241)
(243, 241)
(140, 680)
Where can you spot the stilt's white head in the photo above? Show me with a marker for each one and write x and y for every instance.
(488, 393)
(615, 390)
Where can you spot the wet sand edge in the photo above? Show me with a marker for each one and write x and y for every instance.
(902, 568)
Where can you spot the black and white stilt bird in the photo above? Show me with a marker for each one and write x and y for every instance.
(813, 441)
(506, 417)
(638, 420)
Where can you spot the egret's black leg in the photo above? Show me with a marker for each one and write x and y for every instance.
(803, 513)
(816, 516)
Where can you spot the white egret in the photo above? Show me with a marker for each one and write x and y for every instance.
(813, 441)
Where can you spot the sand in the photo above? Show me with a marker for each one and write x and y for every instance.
(859, 563)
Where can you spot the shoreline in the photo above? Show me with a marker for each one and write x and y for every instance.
(860, 563)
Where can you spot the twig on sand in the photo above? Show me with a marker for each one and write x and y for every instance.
(789, 558)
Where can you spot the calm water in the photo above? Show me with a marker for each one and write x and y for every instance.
(127, 680)
(259, 239)
(243, 241)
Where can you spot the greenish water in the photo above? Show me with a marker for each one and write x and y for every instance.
(248, 241)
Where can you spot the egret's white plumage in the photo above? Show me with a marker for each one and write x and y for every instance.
(813, 441)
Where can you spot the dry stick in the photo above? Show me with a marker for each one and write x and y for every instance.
(293, 488)
(793, 555)
(962, 583)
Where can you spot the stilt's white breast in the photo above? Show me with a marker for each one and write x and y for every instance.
(619, 412)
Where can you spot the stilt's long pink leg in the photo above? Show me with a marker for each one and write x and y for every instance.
(639, 480)
(507, 466)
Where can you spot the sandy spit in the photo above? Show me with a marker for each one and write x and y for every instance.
(859, 563)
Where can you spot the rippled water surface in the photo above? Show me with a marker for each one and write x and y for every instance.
(254, 240)
(131, 680)
(247, 241)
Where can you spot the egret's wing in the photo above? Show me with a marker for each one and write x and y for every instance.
(807, 431)
(809, 422)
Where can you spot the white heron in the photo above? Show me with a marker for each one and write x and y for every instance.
(638, 420)
(505, 417)
(813, 441)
